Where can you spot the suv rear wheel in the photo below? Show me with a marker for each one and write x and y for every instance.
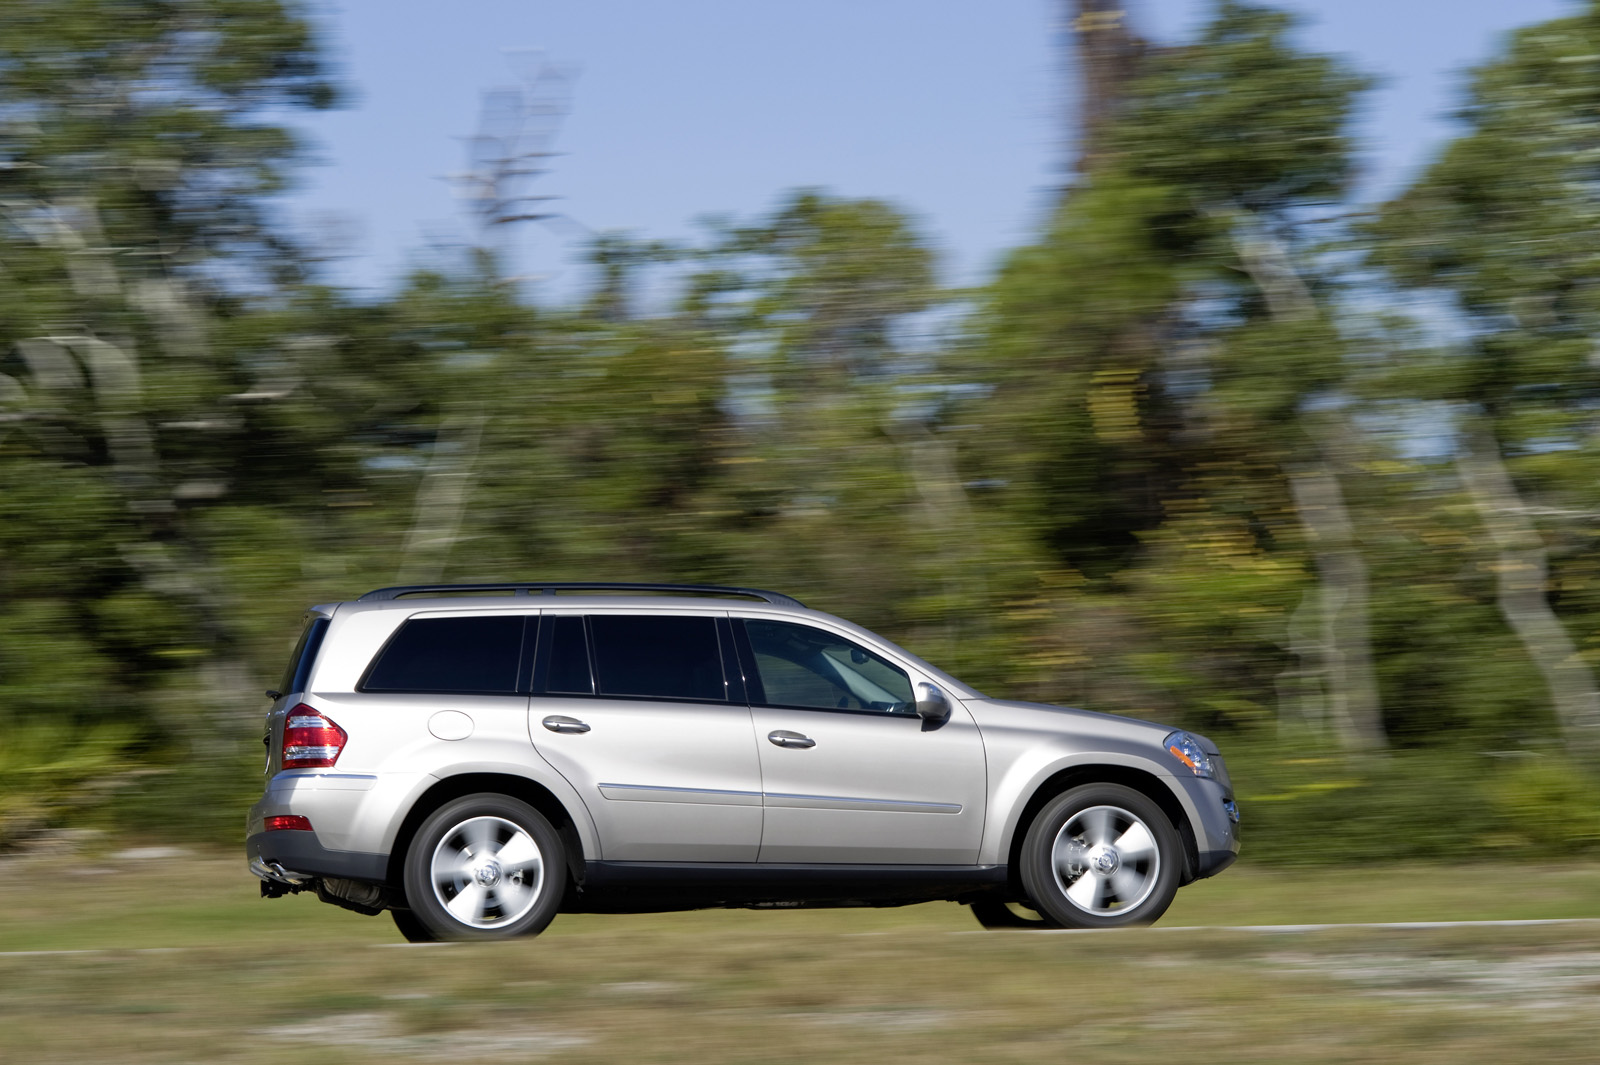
(1101, 856)
(414, 930)
(484, 866)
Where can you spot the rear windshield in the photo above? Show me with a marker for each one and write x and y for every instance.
(298, 674)
(471, 655)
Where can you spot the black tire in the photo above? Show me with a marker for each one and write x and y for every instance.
(999, 914)
(414, 930)
(484, 867)
(1087, 864)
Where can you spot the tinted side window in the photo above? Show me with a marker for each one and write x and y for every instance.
(476, 655)
(659, 657)
(806, 667)
(569, 658)
(304, 656)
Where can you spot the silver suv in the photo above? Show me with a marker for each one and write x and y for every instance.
(477, 758)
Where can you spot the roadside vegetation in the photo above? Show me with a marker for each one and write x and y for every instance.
(1220, 446)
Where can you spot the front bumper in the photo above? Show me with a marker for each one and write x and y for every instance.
(1216, 828)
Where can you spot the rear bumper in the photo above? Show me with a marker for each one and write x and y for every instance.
(293, 857)
(347, 811)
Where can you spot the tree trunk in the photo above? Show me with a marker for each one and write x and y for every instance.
(1522, 576)
(931, 461)
(1352, 696)
(1346, 648)
(1302, 702)
(1108, 56)
(441, 501)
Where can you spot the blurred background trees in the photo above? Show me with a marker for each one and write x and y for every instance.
(1219, 446)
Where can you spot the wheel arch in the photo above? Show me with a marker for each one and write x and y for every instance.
(1145, 783)
(528, 790)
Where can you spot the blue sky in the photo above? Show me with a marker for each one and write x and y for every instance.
(694, 107)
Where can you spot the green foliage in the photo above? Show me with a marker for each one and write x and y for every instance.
(1552, 804)
(156, 115)
(53, 770)
(1077, 485)
(1503, 222)
(1073, 427)
(1215, 605)
(1242, 117)
(819, 283)
(1306, 804)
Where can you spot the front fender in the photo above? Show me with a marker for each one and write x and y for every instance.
(1017, 783)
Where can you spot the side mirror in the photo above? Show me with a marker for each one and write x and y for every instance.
(933, 706)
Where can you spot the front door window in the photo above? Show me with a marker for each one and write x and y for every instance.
(804, 667)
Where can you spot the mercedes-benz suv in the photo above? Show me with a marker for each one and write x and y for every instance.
(475, 759)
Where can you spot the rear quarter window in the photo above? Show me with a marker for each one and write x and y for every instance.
(467, 655)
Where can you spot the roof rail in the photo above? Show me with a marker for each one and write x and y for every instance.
(545, 588)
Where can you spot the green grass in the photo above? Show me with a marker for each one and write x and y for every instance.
(86, 903)
(260, 980)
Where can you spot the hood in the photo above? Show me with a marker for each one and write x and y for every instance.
(1091, 720)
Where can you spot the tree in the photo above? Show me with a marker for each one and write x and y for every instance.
(1502, 224)
(1164, 345)
(139, 150)
(1254, 133)
(808, 303)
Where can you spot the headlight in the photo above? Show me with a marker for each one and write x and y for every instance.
(1186, 749)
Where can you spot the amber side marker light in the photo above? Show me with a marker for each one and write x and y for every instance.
(1185, 759)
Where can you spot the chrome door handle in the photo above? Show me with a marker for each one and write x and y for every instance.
(562, 723)
(785, 738)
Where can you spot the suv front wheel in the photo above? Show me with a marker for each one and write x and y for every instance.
(1101, 856)
(484, 866)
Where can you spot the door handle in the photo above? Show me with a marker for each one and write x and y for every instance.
(562, 723)
(785, 738)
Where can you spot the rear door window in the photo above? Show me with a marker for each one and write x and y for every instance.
(568, 670)
(468, 655)
(657, 657)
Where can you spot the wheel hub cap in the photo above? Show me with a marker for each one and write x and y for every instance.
(487, 873)
(1104, 860)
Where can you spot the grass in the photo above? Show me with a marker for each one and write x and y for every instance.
(260, 980)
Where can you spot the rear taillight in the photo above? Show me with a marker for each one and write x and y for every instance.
(311, 740)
